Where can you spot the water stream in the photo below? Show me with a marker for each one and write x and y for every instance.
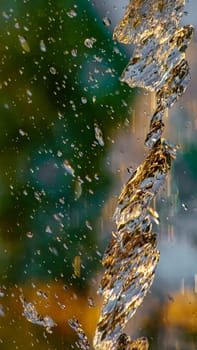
(157, 64)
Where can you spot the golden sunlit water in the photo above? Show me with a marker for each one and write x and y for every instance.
(158, 64)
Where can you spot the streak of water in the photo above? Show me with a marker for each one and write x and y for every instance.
(158, 64)
(132, 257)
(83, 342)
(33, 316)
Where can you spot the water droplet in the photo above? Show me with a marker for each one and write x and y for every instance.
(54, 251)
(65, 246)
(106, 21)
(62, 306)
(99, 135)
(2, 313)
(98, 58)
(84, 100)
(74, 52)
(88, 178)
(17, 25)
(89, 42)
(5, 15)
(29, 234)
(72, 13)
(6, 106)
(42, 46)
(2, 294)
(48, 229)
(24, 43)
(59, 153)
(78, 188)
(62, 200)
(77, 266)
(22, 132)
(40, 293)
(52, 70)
(69, 168)
(89, 225)
(91, 302)
(29, 93)
(184, 206)
(96, 177)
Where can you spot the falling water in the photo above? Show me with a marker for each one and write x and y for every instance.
(158, 64)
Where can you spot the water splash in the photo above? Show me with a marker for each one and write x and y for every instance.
(83, 342)
(132, 257)
(158, 64)
(33, 316)
(124, 343)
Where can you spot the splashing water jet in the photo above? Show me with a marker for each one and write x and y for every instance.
(158, 64)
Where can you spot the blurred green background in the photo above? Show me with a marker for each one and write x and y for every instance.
(59, 84)
(60, 103)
